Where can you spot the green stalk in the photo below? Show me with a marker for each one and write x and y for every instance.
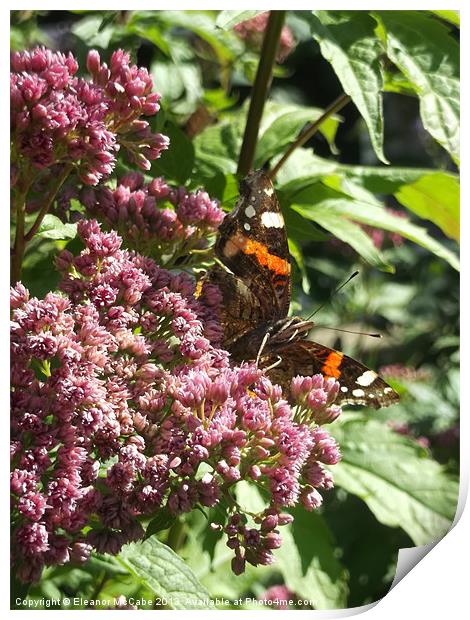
(22, 238)
(48, 201)
(334, 107)
(19, 243)
(260, 90)
(176, 535)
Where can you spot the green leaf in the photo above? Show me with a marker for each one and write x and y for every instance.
(434, 197)
(347, 231)
(391, 474)
(308, 562)
(315, 200)
(152, 33)
(180, 84)
(282, 123)
(373, 215)
(348, 42)
(453, 17)
(202, 24)
(429, 58)
(53, 228)
(176, 163)
(228, 19)
(166, 574)
(218, 146)
(91, 32)
(296, 252)
(302, 168)
(162, 521)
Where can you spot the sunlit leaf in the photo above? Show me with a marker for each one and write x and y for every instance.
(401, 485)
(428, 56)
(434, 197)
(345, 230)
(165, 574)
(282, 123)
(453, 17)
(348, 41)
(363, 212)
(229, 19)
(308, 562)
(53, 228)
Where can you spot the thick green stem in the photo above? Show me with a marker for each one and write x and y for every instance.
(48, 201)
(21, 239)
(19, 243)
(260, 90)
(334, 107)
(176, 535)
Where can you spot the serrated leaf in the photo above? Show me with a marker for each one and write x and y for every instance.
(434, 197)
(391, 474)
(282, 123)
(176, 163)
(429, 57)
(53, 228)
(165, 574)
(348, 42)
(308, 563)
(228, 19)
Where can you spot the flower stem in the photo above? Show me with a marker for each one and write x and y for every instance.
(260, 90)
(334, 107)
(48, 201)
(19, 244)
(176, 535)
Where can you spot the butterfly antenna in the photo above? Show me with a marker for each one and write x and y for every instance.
(348, 331)
(353, 275)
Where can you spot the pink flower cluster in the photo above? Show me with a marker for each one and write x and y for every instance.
(252, 31)
(57, 118)
(380, 236)
(137, 211)
(123, 405)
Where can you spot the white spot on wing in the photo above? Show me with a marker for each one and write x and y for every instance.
(250, 211)
(344, 388)
(269, 191)
(271, 219)
(358, 393)
(366, 378)
(387, 390)
(246, 226)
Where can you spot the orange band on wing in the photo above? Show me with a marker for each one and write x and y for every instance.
(332, 363)
(271, 261)
(274, 263)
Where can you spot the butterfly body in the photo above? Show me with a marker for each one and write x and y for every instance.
(254, 276)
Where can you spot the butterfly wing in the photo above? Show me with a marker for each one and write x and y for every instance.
(240, 309)
(252, 245)
(359, 385)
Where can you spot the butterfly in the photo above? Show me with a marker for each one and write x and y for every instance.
(253, 274)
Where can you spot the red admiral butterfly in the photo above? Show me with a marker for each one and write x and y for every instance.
(254, 277)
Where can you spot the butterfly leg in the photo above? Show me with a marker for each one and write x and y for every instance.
(261, 347)
(274, 364)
